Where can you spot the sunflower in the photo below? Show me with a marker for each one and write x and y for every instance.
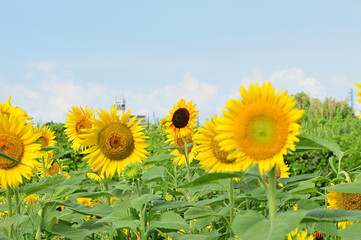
(299, 235)
(259, 128)
(210, 155)
(84, 201)
(182, 118)
(114, 142)
(96, 176)
(78, 120)
(52, 167)
(18, 141)
(178, 141)
(7, 108)
(347, 201)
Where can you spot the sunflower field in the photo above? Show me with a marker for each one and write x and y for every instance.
(271, 166)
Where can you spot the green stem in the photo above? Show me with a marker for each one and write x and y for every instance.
(175, 176)
(17, 206)
(272, 193)
(10, 208)
(44, 167)
(142, 220)
(187, 159)
(231, 203)
(105, 181)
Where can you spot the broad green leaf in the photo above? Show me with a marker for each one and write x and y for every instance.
(170, 221)
(306, 144)
(162, 205)
(138, 202)
(352, 232)
(163, 157)
(252, 226)
(44, 183)
(153, 173)
(203, 236)
(327, 228)
(297, 178)
(331, 215)
(209, 177)
(199, 212)
(63, 191)
(354, 187)
(115, 216)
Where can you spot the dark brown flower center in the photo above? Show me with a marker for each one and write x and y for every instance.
(317, 235)
(180, 118)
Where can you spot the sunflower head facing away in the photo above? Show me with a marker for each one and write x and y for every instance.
(17, 140)
(114, 142)
(210, 155)
(259, 128)
(341, 200)
(78, 121)
(182, 118)
(7, 108)
(177, 141)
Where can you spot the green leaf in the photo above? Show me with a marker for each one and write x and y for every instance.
(354, 187)
(331, 215)
(153, 173)
(59, 155)
(351, 232)
(199, 212)
(49, 148)
(63, 191)
(138, 202)
(170, 221)
(253, 226)
(307, 144)
(10, 158)
(43, 184)
(210, 177)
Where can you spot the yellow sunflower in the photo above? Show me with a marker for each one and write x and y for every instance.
(7, 108)
(299, 235)
(46, 139)
(52, 167)
(182, 118)
(114, 142)
(78, 120)
(96, 176)
(18, 141)
(178, 141)
(210, 155)
(347, 201)
(259, 128)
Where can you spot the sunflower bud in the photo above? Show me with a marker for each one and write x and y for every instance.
(132, 172)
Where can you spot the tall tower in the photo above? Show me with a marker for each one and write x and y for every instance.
(120, 105)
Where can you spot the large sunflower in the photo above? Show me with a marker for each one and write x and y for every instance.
(7, 108)
(210, 155)
(18, 141)
(78, 120)
(182, 118)
(180, 157)
(347, 201)
(114, 142)
(259, 128)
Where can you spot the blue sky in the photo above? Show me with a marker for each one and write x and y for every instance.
(55, 54)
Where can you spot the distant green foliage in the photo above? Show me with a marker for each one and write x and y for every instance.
(330, 120)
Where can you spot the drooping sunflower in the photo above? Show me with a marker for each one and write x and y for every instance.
(114, 142)
(180, 157)
(78, 120)
(96, 176)
(259, 128)
(182, 118)
(210, 155)
(17, 140)
(52, 167)
(7, 108)
(347, 201)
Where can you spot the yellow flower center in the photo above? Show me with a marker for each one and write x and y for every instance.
(348, 201)
(180, 118)
(11, 145)
(219, 154)
(261, 130)
(84, 123)
(116, 141)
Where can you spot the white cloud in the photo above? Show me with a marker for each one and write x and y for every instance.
(292, 80)
(48, 94)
